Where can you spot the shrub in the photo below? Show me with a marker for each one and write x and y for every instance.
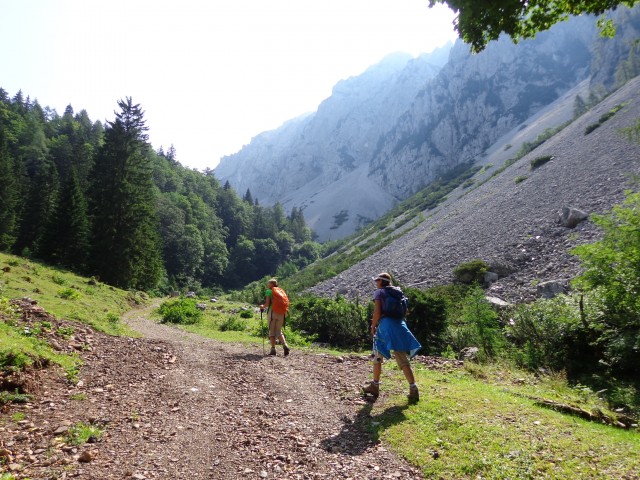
(68, 294)
(181, 310)
(632, 133)
(520, 178)
(427, 319)
(246, 314)
(611, 283)
(470, 272)
(606, 116)
(477, 325)
(591, 128)
(542, 333)
(336, 321)
(539, 161)
(234, 324)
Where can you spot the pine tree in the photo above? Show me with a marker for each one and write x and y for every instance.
(297, 226)
(248, 197)
(8, 195)
(125, 239)
(39, 185)
(235, 215)
(66, 241)
(41, 200)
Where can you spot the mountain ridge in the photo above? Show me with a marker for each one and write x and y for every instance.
(455, 114)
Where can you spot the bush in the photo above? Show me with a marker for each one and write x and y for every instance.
(233, 324)
(520, 178)
(246, 314)
(476, 325)
(542, 334)
(427, 319)
(591, 128)
(611, 283)
(470, 272)
(335, 321)
(539, 161)
(68, 294)
(181, 311)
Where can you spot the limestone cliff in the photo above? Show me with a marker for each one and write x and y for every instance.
(385, 134)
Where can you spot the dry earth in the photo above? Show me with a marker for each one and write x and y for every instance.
(175, 405)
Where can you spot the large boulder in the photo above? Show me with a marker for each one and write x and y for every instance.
(551, 288)
(571, 217)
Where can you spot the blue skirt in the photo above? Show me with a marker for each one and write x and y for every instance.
(393, 334)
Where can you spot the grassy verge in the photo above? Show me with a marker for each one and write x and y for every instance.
(18, 351)
(474, 424)
(65, 294)
(62, 294)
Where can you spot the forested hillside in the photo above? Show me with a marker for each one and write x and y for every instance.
(97, 199)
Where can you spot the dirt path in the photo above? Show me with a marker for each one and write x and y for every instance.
(175, 405)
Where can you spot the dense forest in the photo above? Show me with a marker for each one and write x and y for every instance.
(97, 199)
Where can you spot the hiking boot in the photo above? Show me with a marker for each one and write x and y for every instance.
(272, 352)
(414, 394)
(286, 350)
(372, 389)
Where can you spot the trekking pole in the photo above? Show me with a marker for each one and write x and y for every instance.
(262, 329)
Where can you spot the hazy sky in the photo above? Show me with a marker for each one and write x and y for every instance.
(210, 74)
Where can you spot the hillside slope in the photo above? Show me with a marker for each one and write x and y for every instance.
(514, 225)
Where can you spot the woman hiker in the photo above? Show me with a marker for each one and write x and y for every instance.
(390, 334)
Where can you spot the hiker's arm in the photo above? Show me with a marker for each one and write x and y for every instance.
(267, 302)
(377, 311)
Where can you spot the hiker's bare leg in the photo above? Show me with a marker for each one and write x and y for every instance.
(283, 341)
(377, 370)
(272, 341)
(402, 358)
(408, 374)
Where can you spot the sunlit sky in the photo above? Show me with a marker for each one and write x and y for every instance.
(209, 74)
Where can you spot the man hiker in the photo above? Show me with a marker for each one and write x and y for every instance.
(390, 332)
(276, 303)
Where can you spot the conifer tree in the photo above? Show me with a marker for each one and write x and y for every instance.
(248, 197)
(235, 215)
(39, 185)
(125, 239)
(297, 226)
(8, 195)
(66, 241)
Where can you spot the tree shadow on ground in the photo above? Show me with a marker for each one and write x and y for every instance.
(363, 432)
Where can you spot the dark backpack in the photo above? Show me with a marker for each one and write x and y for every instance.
(394, 303)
